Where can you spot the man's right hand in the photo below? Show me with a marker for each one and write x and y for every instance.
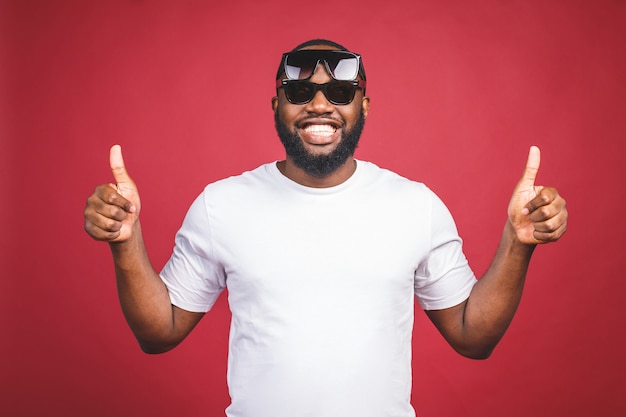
(113, 209)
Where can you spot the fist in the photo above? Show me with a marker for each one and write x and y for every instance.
(113, 209)
(537, 213)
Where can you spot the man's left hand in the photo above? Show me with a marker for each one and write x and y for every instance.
(537, 213)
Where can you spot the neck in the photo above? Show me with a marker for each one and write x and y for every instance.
(296, 174)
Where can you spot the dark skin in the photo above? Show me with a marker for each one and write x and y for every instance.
(536, 215)
(112, 215)
(322, 112)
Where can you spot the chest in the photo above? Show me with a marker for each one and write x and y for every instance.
(361, 248)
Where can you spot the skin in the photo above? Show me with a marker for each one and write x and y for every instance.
(536, 215)
(112, 215)
(319, 111)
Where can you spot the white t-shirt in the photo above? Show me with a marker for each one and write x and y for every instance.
(320, 285)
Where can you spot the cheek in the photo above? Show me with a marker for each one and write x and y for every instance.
(287, 113)
(350, 113)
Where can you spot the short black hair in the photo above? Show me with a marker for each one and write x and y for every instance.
(325, 42)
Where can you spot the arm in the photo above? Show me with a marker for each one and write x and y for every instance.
(112, 215)
(536, 215)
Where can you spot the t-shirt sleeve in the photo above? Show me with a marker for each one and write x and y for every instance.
(444, 278)
(193, 277)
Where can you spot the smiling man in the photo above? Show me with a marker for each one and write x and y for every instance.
(323, 257)
(320, 132)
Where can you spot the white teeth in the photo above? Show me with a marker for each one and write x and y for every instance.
(320, 130)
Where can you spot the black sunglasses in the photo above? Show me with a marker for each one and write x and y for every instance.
(340, 65)
(336, 91)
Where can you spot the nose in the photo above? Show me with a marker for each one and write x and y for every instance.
(320, 104)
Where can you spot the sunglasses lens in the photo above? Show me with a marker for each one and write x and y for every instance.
(340, 92)
(303, 91)
(342, 65)
(299, 67)
(299, 92)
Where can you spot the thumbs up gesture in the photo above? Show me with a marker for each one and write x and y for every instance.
(113, 209)
(538, 214)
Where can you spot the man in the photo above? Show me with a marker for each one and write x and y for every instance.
(322, 256)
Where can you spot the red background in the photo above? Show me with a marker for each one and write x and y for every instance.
(459, 92)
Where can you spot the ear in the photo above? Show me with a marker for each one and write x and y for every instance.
(274, 103)
(365, 106)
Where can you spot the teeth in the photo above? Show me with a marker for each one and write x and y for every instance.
(320, 130)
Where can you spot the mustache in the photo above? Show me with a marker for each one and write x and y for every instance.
(331, 120)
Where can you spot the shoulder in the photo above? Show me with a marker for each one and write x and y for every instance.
(238, 193)
(391, 181)
(246, 181)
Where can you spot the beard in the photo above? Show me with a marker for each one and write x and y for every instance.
(319, 165)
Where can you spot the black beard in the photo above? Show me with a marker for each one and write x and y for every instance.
(319, 165)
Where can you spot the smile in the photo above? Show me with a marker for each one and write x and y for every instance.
(320, 130)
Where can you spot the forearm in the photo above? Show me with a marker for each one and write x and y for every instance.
(494, 299)
(143, 296)
(536, 215)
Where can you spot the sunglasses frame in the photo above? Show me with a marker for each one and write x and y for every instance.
(317, 87)
(321, 56)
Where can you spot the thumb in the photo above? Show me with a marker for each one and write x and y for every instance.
(532, 167)
(525, 188)
(125, 185)
(117, 166)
